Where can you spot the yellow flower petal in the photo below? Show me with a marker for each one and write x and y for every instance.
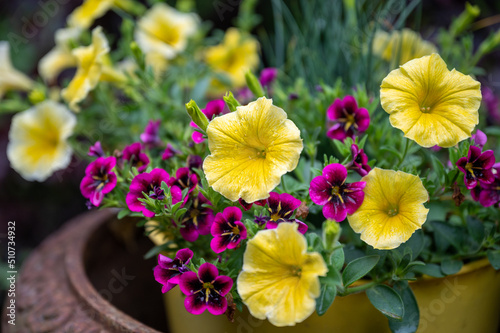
(250, 150)
(236, 55)
(38, 140)
(84, 16)
(90, 64)
(60, 57)
(399, 47)
(430, 104)
(279, 280)
(165, 31)
(392, 209)
(10, 78)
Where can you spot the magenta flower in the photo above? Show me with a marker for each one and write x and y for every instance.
(214, 108)
(477, 167)
(168, 271)
(359, 161)
(207, 290)
(347, 119)
(184, 178)
(479, 138)
(96, 150)
(267, 76)
(150, 136)
(149, 183)
(169, 152)
(337, 197)
(488, 194)
(197, 220)
(281, 208)
(98, 180)
(136, 157)
(228, 230)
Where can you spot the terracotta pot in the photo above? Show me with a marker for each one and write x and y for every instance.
(89, 278)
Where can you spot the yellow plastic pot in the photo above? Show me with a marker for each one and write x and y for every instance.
(466, 302)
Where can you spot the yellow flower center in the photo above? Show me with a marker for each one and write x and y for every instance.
(425, 109)
(393, 211)
(235, 230)
(261, 153)
(296, 271)
(349, 121)
(469, 167)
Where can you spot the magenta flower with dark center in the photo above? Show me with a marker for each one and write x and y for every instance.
(337, 197)
(169, 271)
(96, 150)
(169, 152)
(150, 136)
(267, 76)
(228, 230)
(149, 183)
(488, 194)
(207, 290)
(197, 220)
(136, 157)
(477, 167)
(347, 119)
(261, 220)
(98, 180)
(359, 161)
(281, 208)
(214, 108)
(184, 178)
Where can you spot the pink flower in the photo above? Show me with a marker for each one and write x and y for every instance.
(207, 290)
(169, 152)
(98, 180)
(488, 194)
(337, 197)
(477, 167)
(96, 150)
(359, 161)
(267, 76)
(168, 271)
(228, 230)
(133, 153)
(150, 136)
(197, 220)
(281, 208)
(347, 119)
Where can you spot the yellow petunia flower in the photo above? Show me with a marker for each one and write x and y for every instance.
(237, 54)
(279, 279)
(10, 78)
(90, 66)
(60, 57)
(38, 140)
(399, 47)
(392, 210)
(251, 149)
(164, 32)
(83, 17)
(429, 103)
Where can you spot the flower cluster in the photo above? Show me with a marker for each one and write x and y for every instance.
(275, 196)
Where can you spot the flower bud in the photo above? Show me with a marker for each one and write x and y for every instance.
(231, 102)
(196, 115)
(463, 22)
(331, 234)
(254, 84)
(36, 96)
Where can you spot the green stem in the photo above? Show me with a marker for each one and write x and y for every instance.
(363, 287)
(405, 151)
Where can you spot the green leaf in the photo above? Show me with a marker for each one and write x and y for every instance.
(332, 278)
(494, 258)
(358, 268)
(430, 269)
(439, 169)
(411, 316)
(450, 266)
(450, 233)
(325, 299)
(337, 258)
(475, 230)
(387, 301)
(123, 213)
